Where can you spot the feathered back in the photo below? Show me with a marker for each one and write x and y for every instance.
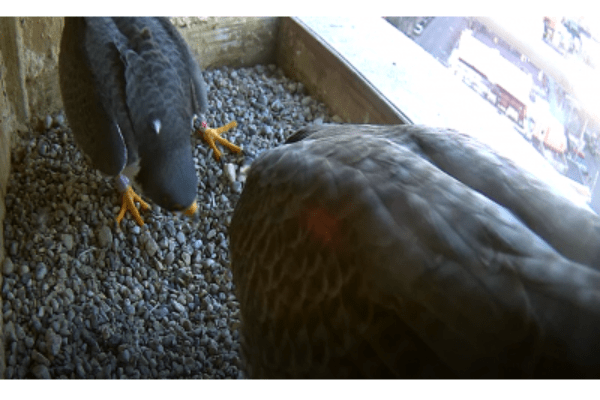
(356, 253)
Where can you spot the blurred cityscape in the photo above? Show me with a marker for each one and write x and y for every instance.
(521, 80)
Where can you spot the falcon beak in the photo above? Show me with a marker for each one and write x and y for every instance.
(191, 210)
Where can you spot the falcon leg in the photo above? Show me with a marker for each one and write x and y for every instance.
(129, 196)
(210, 135)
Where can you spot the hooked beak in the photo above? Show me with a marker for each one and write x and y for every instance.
(191, 210)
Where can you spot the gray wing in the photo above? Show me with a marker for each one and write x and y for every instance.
(353, 255)
(189, 63)
(92, 88)
(159, 70)
(571, 230)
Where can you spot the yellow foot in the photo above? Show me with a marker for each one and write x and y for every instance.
(129, 196)
(211, 134)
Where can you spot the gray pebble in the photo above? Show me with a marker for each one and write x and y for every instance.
(164, 243)
(237, 187)
(186, 324)
(20, 332)
(181, 237)
(67, 241)
(80, 371)
(39, 358)
(36, 324)
(13, 248)
(23, 269)
(26, 278)
(151, 247)
(161, 312)
(48, 122)
(212, 181)
(7, 266)
(276, 105)
(105, 236)
(29, 342)
(178, 307)
(107, 371)
(40, 271)
(267, 131)
(60, 119)
(41, 371)
(53, 342)
(70, 295)
(124, 356)
(9, 332)
(67, 207)
(106, 332)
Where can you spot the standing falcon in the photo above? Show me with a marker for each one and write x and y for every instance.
(131, 91)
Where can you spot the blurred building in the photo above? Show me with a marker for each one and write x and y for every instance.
(493, 76)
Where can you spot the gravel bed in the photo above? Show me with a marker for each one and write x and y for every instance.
(83, 299)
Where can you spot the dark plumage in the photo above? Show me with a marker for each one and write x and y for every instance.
(406, 251)
(130, 89)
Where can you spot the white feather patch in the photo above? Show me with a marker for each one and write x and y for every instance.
(124, 146)
(157, 125)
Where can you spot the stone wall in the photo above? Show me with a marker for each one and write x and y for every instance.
(28, 88)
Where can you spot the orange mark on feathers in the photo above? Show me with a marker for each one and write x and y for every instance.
(321, 225)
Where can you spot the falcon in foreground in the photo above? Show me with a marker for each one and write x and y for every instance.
(410, 252)
(131, 90)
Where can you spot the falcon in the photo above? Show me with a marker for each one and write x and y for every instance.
(362, 251)
(132, 92)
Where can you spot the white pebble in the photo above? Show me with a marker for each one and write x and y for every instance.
(230, 172)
